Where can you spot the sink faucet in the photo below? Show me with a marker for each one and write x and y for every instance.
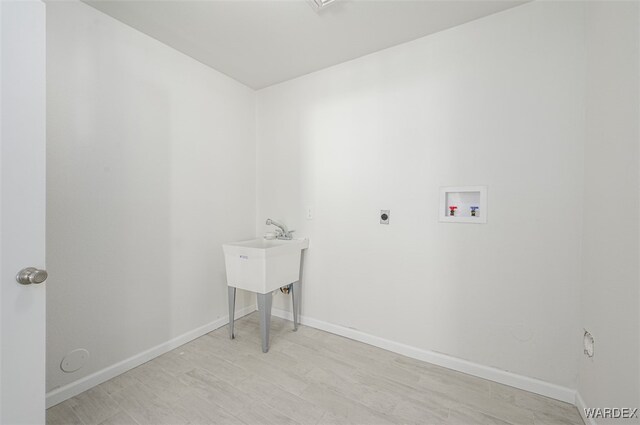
(281, 232)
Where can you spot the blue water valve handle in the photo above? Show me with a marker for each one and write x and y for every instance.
(473, 211)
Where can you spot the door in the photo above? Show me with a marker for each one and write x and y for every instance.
(22, 211)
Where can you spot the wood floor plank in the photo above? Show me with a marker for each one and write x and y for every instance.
(292, 406)
(197, 410)
(93, 406)
(62, 414)
(465, 416)
(120, 418)
(343, 408)
(145, 407)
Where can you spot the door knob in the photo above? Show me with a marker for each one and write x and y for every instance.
(31, 275)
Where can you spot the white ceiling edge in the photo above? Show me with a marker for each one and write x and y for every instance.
(260, 43)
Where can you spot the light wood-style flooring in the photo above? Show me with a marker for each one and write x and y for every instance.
(308, 377)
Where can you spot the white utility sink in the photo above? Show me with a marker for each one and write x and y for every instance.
(261, 265)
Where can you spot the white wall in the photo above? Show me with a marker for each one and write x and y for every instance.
(151, 167)
(610, 280)
(497, 102)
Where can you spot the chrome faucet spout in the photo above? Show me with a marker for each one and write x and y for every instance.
(282, 232)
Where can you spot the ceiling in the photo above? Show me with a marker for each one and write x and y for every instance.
(264, 42)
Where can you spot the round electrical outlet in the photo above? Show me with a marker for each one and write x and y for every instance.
(74, 360)
(384, 216)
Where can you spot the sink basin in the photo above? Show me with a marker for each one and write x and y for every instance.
(261, 265)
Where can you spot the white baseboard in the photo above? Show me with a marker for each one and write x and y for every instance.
(533, 385)
(72, 389)
(581, 406)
